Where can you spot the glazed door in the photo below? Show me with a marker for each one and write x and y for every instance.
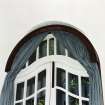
(71, 85)
(32, 87)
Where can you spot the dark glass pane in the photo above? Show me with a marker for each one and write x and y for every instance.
(30, 86)
(61, 78)
(30, 102)
(73, 101)
(51, 46)
(85, 103)
(60, 49)
(20, 91)
(23, 67)
(19, 103)
(43, 49)
(32, 58)
(53, 74)
(85, 86)
(42, 79)
(41, 98)
(60, 97)
(71, 55)
(73, 83)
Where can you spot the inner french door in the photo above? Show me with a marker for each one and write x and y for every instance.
(52, 83)
(32, 87)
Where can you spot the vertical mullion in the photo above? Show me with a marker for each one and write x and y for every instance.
(37, 53)
(36, 83)
(80, 99)
(48, 84)
(48, 46)
(27, 63)
(55, 46)
(55, 76)
(66, 52)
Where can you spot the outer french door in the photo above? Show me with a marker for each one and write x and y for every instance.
(71, 85)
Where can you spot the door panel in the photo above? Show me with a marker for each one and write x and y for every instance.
(71, 85)
(33, 88)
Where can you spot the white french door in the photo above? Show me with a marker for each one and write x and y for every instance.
(32, 87)
(71, 85)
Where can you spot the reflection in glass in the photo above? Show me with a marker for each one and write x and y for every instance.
(42, 79)
(73, 83)
(20, 91)
(61, 78)
(41, 98)
(43, 49)
(60, 49)
(73, 101)
(32, 58)
(30, 86)
(23, 67)
(30, 102)
(60, 97)
(85, 86)
(71, 55)
(85, 103)
(19, 103)
(51, 46)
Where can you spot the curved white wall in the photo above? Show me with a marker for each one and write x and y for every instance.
(18, 17)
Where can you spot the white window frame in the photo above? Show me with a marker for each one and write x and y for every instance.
(47, 38)
(27, 74)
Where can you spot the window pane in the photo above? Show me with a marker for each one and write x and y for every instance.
(30, 102)
(19, 103)
(41, 98)
(51, 46)
(43, 49)
(71, 55)
(85, 103)
(42, 79)
(61, 78)
(32, 58)
(73, 101)
(60, 49)
(23, 67)
(20, 91)
(30, 86)
(73, 83)
(85, 86)
(60, 97)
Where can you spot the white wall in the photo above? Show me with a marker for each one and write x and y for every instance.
(18, 17)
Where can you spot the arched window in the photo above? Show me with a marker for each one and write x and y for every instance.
(49, 46)
(69, 82)
(55, 67)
